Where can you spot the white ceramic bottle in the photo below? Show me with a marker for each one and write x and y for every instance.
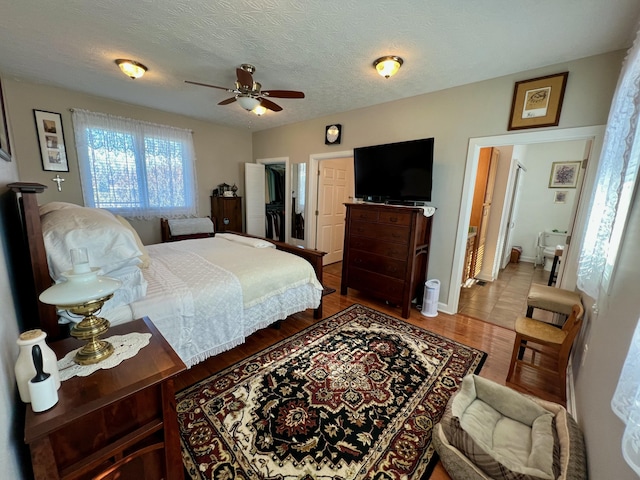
(25, 369)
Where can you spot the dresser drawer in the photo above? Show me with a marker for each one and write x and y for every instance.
(373, 245)
(381, 232)
(376, 263)
(394, 217)
(364, 214)
(376, 284)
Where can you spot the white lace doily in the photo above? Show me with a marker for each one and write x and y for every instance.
(125, 346)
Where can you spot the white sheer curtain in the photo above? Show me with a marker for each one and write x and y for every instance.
(614, 188)
(133, 168)
(615, 182)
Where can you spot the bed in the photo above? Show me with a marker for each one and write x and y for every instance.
(205, 295)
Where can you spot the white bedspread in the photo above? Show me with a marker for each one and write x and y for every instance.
(206, 295)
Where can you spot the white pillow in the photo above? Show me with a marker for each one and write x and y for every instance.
(145, 259)
(109, 244)
(53, 206)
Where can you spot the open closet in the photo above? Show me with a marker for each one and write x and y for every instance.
(267, 204)
(274, 186)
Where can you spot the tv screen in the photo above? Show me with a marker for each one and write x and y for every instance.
(395, 171)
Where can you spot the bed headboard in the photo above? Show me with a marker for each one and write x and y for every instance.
(27, 201)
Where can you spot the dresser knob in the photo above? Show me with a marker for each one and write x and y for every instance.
(393, 219)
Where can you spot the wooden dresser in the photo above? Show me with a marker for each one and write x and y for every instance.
(386, 252)
(116, 423)
(227, 212)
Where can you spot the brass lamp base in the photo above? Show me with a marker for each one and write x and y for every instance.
(90, 328)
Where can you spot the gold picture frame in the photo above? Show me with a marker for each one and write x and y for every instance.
(537, 102)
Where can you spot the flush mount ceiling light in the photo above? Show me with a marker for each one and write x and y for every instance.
(388, 66)
(248, 103)
(131, 68)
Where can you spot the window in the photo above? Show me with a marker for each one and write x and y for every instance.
(136, 169)
(614, 189)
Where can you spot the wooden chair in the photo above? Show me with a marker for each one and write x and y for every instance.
(551, 344)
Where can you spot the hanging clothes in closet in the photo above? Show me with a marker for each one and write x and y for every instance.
(274, 199)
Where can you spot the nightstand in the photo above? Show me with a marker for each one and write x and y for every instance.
(118, 423)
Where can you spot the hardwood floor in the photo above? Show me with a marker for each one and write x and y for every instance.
(503, 300)
(495, 340)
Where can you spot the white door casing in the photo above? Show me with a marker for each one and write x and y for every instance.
(254, 198)
(335, 187)
(312, 192)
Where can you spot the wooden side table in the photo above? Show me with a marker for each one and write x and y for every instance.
(119, 421)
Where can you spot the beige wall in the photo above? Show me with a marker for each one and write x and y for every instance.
(451, 116)
(220, 151)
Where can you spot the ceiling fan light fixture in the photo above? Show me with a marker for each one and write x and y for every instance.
(131, 68)
(388, 66)
(248, 103)
(259, 110)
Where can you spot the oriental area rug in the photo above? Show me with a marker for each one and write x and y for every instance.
(354, 396)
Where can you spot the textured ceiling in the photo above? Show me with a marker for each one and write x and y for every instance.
(322, 47)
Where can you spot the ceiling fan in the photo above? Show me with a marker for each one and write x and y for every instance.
(248, 92)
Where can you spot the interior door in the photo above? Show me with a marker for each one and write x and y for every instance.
(506, 250)
(254, 198)
(335, 188)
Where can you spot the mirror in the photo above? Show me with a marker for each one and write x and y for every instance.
(298, 199)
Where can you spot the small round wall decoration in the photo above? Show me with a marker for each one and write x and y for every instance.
(333, 134)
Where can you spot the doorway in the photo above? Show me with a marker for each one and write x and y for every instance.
(262, 205)
(331, 184)
(594, 134)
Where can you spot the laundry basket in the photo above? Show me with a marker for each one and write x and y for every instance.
(431, 296)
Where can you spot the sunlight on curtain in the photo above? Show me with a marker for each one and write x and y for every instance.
(614, 188)
(615, 182)
(133, 168)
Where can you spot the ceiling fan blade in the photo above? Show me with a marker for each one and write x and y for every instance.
(270, 105)
(227, 101)
(283, 93)
(207, 85)
(244, 78)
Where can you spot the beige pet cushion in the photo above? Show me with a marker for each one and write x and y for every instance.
(505, 434)
(552, 299)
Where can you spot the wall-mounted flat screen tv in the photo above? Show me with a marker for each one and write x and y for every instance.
(399, 171)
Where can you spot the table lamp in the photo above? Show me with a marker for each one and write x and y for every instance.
(84, 293)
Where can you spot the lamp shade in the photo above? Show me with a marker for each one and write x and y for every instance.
(248, 103)
(80, 288)
(388, 66)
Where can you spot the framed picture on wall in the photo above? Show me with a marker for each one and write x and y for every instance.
(5, 146)
(560, 196)
(564, 174)
(51, 138)
(537, 102)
